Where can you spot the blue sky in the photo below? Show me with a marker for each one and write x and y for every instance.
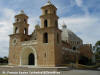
(80, 16)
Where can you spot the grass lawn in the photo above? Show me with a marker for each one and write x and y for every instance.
(4, 65)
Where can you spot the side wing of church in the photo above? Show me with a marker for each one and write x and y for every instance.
(47, 45)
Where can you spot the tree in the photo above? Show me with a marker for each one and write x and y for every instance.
(84, 60)
(5, 59)
(97, 49)
(97, 43)
(1, 60)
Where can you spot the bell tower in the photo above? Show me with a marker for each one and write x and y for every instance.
(21, 26)
(49, 37)
(20, 34)
(49, 17)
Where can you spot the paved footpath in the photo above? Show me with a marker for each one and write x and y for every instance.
(48, 71)
(71, 72)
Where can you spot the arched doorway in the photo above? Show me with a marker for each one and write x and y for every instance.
(28, 54)
(74, 48)
(31, 59)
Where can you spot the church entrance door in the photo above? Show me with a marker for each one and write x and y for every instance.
(31, 59)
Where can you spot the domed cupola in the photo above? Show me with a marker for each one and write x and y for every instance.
(21, 23)
(70, 37)
(64, 26)
(48, 3)
(22, 12)
(64, 32)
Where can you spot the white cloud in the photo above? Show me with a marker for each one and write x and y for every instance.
(83, 7)
(32, 22)
(79, 2)
(87, 27)
(6, 28)
(6, 23)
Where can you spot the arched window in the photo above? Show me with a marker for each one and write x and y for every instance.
(45, 55)
(57, 38)
(45, 23)
(25, 31)
(46, 11)
(16, 30)
(25, 21)
(54, 12)
(74, 48)
(45, 38)
(17, 20)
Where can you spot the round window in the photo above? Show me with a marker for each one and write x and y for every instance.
(14, 42)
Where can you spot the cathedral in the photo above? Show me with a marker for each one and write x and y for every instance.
(47, 46)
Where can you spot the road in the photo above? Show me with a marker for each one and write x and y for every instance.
(81, 72)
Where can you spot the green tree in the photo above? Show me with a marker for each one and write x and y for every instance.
(97, 43)
(5, 59)
(1, 60)
(97, 53)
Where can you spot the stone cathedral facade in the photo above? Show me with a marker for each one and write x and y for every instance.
(47, 45)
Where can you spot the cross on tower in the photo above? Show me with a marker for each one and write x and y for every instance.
(49, 1)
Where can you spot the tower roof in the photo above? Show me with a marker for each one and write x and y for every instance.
(48, 4)
(68, 34)
(22, 12)
(64, 25)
